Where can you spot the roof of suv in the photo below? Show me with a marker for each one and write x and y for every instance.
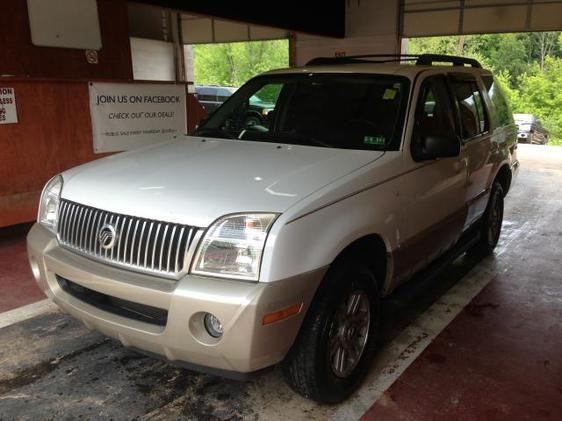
(406, 65)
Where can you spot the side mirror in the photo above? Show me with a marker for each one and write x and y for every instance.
(439, 146)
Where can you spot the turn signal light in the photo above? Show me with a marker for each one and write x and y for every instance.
(282, 314)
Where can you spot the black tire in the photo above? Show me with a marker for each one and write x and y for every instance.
(491, 223)
(308, 367)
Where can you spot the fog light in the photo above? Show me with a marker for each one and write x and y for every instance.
(213, 325)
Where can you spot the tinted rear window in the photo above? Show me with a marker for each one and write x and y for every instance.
(502, 110)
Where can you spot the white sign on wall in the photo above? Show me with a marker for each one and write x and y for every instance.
(127, 116)
(8, 110)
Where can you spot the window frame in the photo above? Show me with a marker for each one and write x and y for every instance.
(488, 81)
(419, 106)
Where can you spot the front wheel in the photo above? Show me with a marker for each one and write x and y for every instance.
(491, 223)
(336, 343)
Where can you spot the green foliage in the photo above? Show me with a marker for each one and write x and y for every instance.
(541, 92)
(528, 67)
(269, 93)
(233, 64)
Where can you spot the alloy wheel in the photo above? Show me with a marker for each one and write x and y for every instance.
(349, 333)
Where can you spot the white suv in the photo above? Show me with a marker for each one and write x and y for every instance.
(249, 245)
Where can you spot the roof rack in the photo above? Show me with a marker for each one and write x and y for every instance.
(419, 59)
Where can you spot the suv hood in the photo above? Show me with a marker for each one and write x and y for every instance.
(194, 181)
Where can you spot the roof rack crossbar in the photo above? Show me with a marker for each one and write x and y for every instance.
(420, 59)
(429, 59)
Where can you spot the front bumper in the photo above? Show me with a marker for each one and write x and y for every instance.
(246, 344)
(523, 137)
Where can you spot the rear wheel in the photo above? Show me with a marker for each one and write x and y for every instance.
(337, 340)
(491, 223)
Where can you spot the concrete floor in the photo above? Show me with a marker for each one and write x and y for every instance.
(482, 341)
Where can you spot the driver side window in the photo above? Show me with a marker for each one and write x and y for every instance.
(434, 114)
(258, 112)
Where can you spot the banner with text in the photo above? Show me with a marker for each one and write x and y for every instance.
(127, 116)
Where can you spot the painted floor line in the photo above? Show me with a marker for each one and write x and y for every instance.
(26, 312)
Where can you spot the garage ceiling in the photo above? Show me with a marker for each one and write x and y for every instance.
(325, 18)
(455, 17)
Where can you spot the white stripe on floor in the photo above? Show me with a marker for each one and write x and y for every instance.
(397, 356)
(26, 312)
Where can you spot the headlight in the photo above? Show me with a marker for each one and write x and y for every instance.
(233, 246)
(49, 205)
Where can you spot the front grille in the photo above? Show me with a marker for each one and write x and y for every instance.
(140, 244)
(114, 305)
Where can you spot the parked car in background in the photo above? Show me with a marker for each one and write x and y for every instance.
(530, 130)
(212, 97)
(258, 110)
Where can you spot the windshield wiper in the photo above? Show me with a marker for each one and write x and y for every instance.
(303, 139)
(214, 132)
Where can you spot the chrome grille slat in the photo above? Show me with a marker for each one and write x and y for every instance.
(76, 223)
(177, 264)
(84, 233)
(93, 231)
(113, 248)
(142, 244)
(139, 248)
(133, 242)
(103, 251)
(170, 249)
(74, 217)
(70, 221)
(62, 217)
(103, 221)
(155, 244)
(125, 249)
(162, 243)
(147, 243)
(120, 239)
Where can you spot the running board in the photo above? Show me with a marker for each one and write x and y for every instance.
(423, 279)
(439, 265)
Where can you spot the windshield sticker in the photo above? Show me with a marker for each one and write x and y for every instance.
(374, 140)
(389, 94)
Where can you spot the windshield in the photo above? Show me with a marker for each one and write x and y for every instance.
(330, 110)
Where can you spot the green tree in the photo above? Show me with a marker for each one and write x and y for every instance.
(513, 97)
(528, 66)
(502, 52)
(233, 64)
(541, 93)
